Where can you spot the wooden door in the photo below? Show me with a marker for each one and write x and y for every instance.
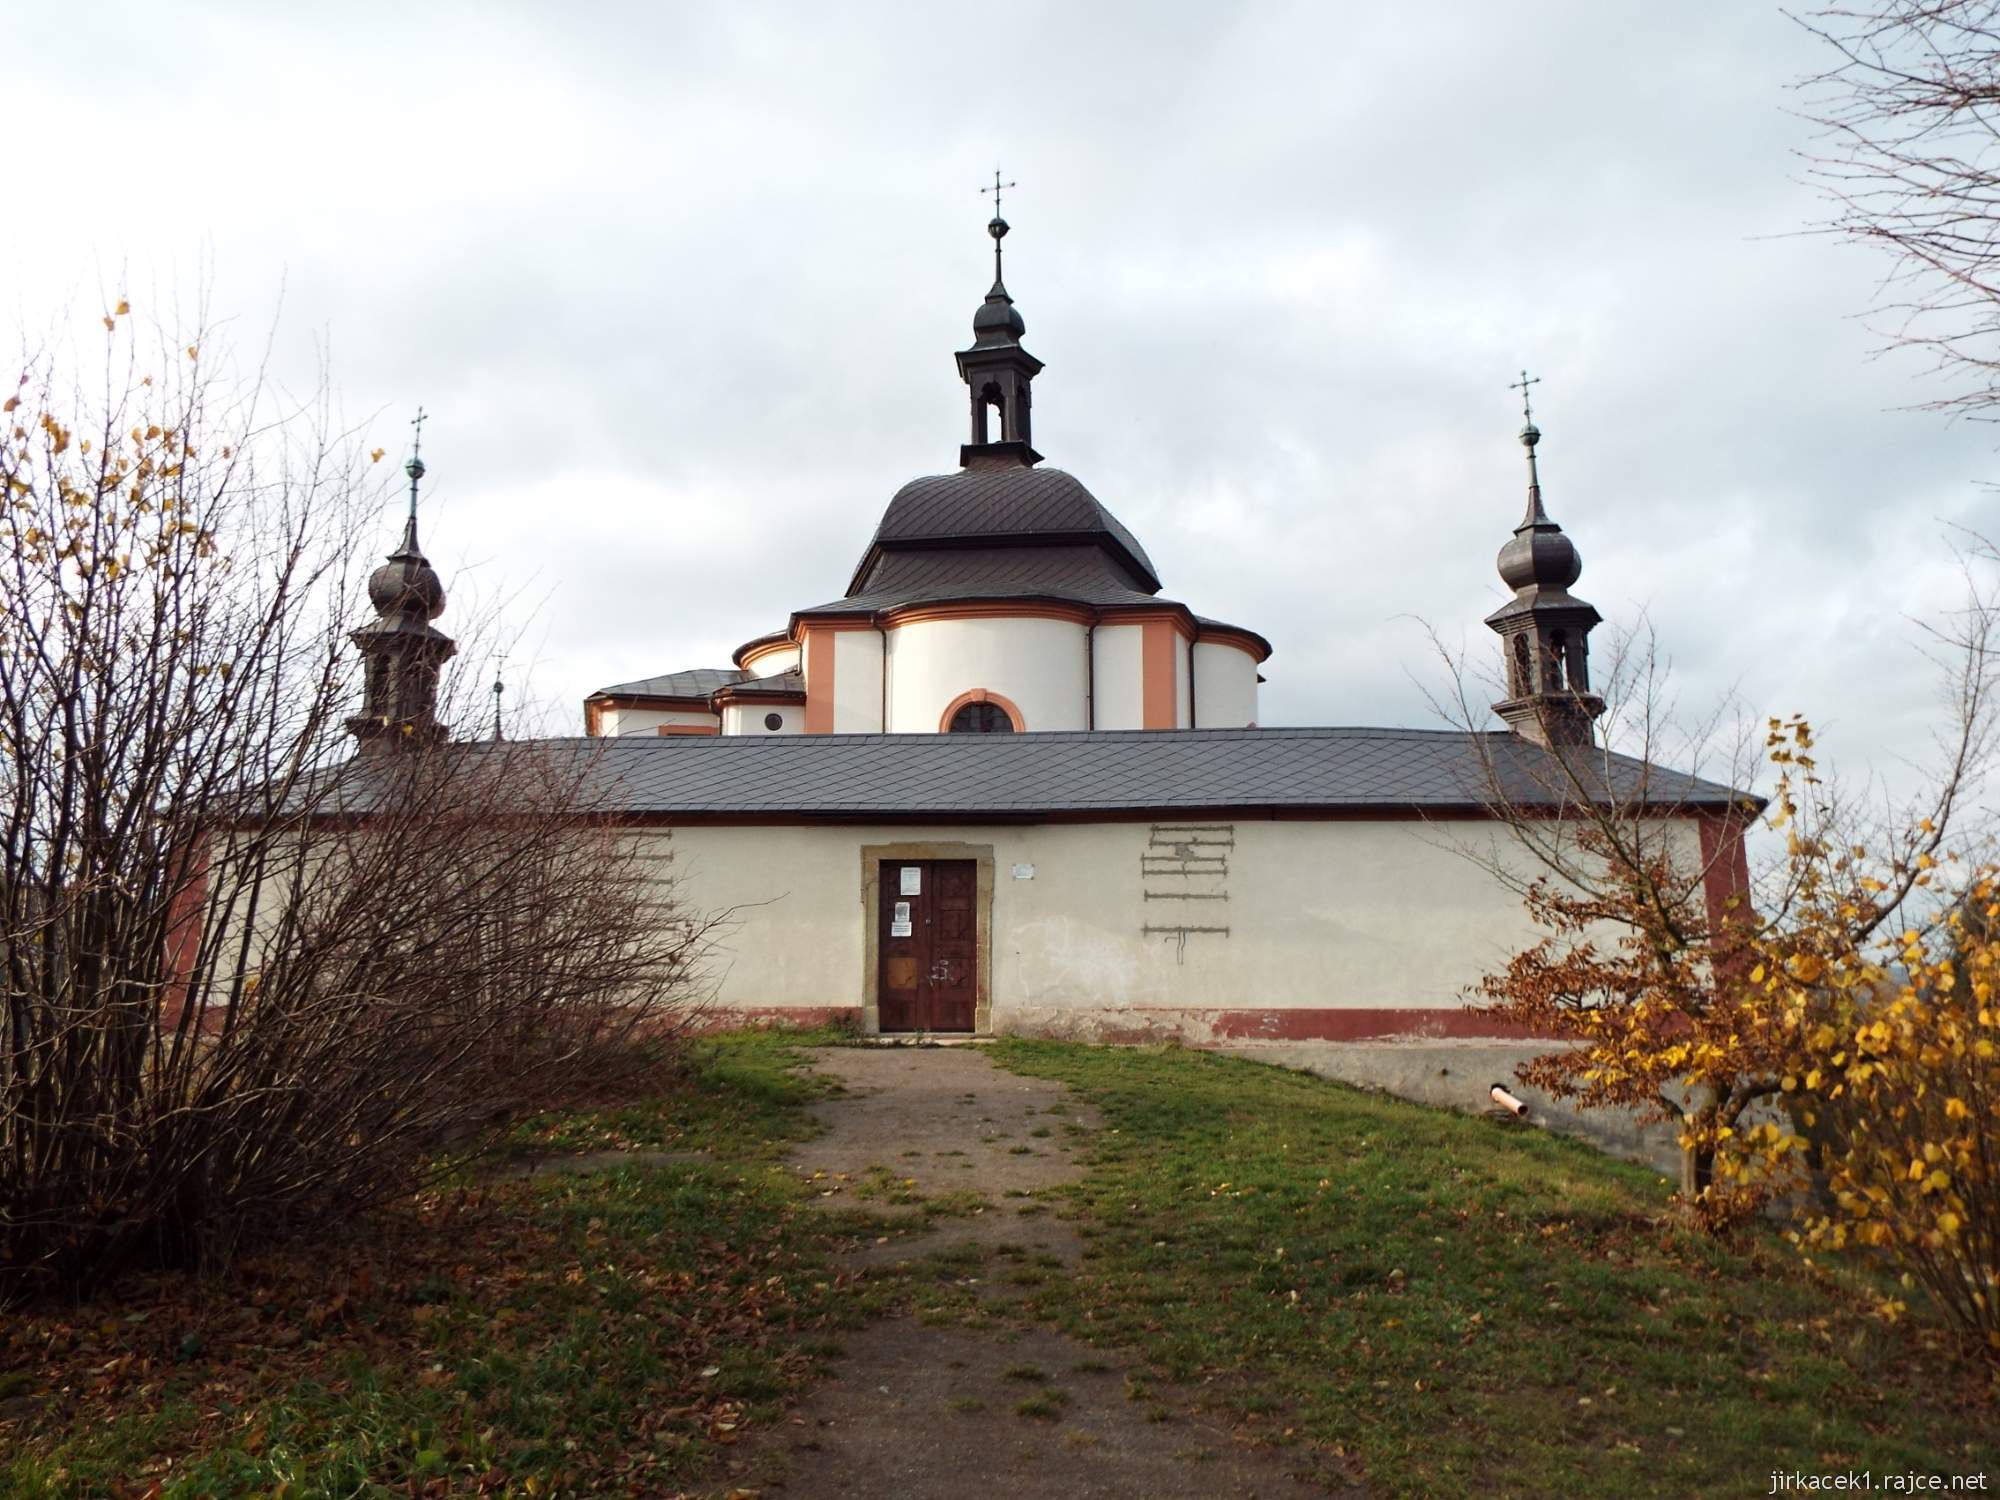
(954, 971)
(928, 941)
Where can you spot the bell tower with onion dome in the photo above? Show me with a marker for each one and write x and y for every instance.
(998, 371)
(401, 650)
(1544, 629)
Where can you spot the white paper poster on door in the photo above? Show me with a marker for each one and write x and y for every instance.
(899, 920)
(913, 881)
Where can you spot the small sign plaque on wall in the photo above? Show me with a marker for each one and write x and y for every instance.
(913, 881)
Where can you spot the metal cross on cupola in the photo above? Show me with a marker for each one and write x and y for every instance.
(995, 190)
(1530, 436)
(415, 469)
(1521, 385)
(997, 226)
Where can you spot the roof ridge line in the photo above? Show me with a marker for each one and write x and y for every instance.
(1258, 731)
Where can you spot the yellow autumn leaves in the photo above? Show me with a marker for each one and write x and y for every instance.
(1897, 1082)
(85, 512)
(1839, 1051)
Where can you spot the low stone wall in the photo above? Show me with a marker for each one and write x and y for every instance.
(1211, 1026)
(1460, 1075)
(1448, 1072)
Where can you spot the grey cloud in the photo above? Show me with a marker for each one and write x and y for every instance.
(682, 284)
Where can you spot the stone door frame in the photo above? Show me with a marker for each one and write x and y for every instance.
(873, 858)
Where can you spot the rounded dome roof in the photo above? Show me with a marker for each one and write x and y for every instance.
(1539, 556)
(998, 320)
(406, 584)
(1002, 506)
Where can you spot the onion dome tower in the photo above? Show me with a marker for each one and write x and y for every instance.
(997, 371)
(401, 650)
(1544, 629)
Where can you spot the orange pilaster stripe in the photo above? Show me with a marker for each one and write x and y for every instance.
(1157, 676)
(818, 657)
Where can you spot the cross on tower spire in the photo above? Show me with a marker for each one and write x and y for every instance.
(1530, 435)
(995, 190)
(1521, 385)
(415, 467)
(997, 226)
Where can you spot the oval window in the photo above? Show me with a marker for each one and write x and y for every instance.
(774, 721)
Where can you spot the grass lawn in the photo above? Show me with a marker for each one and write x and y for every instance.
(595, 1333)
(1471, 1309)
(1458, 1307)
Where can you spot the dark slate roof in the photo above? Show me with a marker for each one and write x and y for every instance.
(778, 684)
(1021, 777)
(986, 505)
(1208, 624)
(696, 684)
(1080, 574)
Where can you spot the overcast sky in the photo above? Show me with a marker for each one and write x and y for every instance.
(681, 285)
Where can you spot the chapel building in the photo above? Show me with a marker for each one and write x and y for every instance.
(1002, 784)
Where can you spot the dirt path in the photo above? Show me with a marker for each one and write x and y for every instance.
(923, 1410)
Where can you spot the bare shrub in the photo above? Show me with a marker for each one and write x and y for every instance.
(252, 980)
(1908, 153)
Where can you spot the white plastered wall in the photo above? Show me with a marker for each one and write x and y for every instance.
(748, 717)
(771, 663)
(649, 720)
(1225, 686)
(1120, 689)
(857, 682)
(1353, 914)
(1037, 664)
